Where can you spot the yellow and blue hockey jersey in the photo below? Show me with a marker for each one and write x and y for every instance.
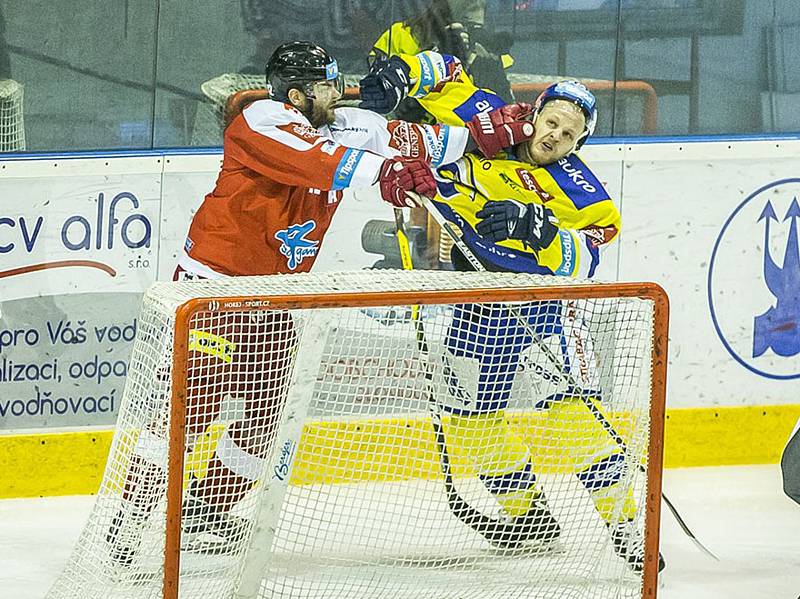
(587, 216)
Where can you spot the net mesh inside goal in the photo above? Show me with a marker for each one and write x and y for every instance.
(12, 125)
(367, 447)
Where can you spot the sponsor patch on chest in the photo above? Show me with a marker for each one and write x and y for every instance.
(295, 245)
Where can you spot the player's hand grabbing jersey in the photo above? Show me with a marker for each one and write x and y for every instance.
(282, 180)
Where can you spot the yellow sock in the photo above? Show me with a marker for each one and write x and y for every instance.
(494, 450)
(607, 503)
(486, 439)
(517, 503)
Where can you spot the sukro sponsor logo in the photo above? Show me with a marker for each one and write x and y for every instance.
(576, 176)
(281, 470)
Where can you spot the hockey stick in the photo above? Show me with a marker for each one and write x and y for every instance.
(562, 374)
(492, 529)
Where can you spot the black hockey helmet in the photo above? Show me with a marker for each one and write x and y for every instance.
(298, 65)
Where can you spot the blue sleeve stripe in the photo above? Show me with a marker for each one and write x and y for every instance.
(479, 101)
(594, 252)
(448, 62)
(346, 167)
(427, 75)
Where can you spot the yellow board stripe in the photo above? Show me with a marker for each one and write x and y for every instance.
(53, 463)
(72, 463)
(728, 436)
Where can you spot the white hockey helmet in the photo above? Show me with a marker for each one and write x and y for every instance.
(577, 93)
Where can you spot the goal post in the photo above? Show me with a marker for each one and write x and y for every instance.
(278, 438)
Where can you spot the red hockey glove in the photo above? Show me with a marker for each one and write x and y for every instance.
(399, 175)
(504, 127)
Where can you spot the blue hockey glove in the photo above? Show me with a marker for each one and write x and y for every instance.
(533, 224)
(387, 83)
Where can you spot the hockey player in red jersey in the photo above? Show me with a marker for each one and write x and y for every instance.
(286, 161)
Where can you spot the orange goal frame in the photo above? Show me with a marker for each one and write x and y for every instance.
(186, 312)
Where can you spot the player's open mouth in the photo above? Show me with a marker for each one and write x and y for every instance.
(547, 146)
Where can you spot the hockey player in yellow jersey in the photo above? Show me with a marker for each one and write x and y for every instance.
(457, 28)
(522, 204)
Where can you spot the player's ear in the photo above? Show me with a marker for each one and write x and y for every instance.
(297, 98)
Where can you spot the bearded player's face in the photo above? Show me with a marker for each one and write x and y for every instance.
(326, 95)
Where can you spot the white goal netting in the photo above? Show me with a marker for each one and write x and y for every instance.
(377, 450)
(12, 124)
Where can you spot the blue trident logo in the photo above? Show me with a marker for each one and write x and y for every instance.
(779, 327)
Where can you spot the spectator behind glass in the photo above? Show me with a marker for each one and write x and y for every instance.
(5, 61)
(454, 27)
(344, 27)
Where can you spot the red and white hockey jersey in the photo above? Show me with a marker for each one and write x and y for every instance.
(282, 180)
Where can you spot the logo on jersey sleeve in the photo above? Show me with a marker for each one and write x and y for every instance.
(450, 72)
(294, 244)
(346, 167)
(598, 236)
(301, 131)
(479, 101)
(405, 138)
